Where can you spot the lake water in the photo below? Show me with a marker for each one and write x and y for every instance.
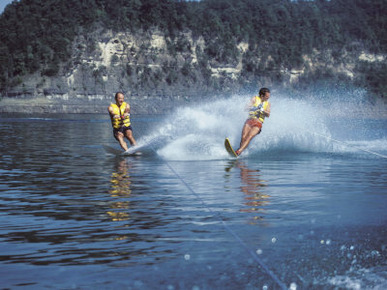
(303, 208)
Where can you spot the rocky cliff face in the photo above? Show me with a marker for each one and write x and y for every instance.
(153, 71)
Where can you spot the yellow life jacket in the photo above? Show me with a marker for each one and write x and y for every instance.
(118, 123)
(255, 110)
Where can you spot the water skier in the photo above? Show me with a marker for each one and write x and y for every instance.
(259, 108)
(120, 117)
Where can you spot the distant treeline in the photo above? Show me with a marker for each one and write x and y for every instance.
(37, 35)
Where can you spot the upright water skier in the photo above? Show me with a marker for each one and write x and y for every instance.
(259, 109)
(120, 117)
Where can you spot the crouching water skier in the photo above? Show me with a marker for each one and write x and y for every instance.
(259, 108)
(120, 117)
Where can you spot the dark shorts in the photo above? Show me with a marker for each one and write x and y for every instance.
(122, 130)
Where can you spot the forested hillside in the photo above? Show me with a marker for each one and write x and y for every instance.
(206, 46)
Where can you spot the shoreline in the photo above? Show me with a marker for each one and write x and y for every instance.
(43, 105)
(157, 106)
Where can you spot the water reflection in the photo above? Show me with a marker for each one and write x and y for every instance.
(252, 186)
(120, 190)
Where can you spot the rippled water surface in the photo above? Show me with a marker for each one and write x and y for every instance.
(73, 215)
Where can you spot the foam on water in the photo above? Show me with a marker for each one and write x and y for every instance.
(373, 278)
(198, 132)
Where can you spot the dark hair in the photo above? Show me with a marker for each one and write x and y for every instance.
(263, 91)
(118, 93)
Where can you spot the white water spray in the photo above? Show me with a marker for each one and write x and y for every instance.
(197, 132)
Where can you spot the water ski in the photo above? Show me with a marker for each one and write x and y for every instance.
(229, 148)
(132, 151)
